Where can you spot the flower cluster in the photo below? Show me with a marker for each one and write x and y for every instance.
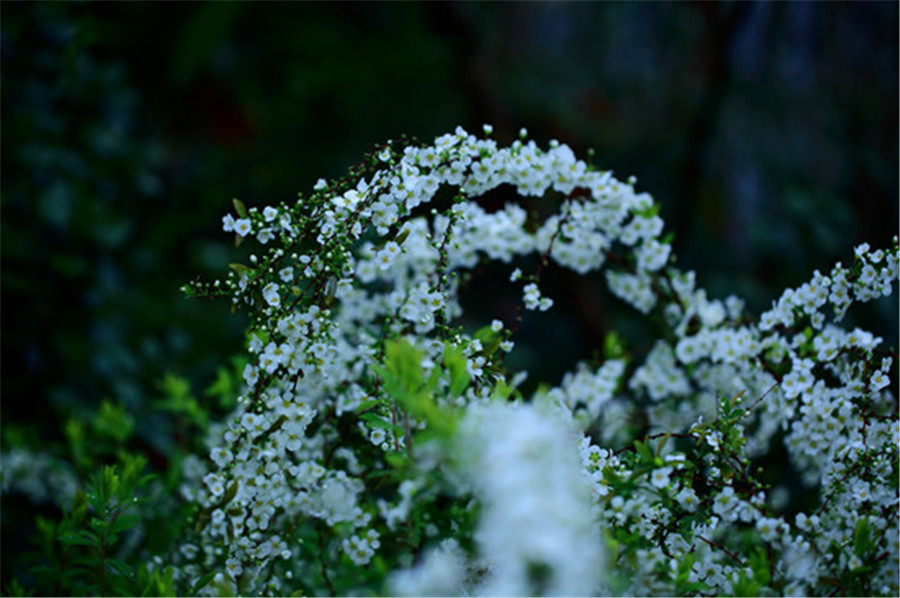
(353, 453)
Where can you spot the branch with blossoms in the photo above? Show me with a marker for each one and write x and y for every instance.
(384, 447)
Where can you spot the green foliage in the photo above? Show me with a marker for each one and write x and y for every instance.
(84, 552)
(455, 362)
(100, 435)
(103, 542)
(404, 381)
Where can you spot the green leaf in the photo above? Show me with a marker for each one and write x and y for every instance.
(222, 388)
(746, 586)
(230, 493)
(643, 450)
(684, 572)
(862, 537)
(122, 568)
(397, 460)
(491, 347)
(239, 207)
(455, 362)
(366, 405)
(662, 444)
(650, 211)
(80, 538)
(202, 583)
(501, 391)
(112, 421)
(485, 335)
(376, 421)
(123, 523)
(405, 363)
(612, 346)
(14, 588)
(402, 236)
(276, 425)
(759, 562)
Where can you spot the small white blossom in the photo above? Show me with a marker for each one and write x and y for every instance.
(270, 294)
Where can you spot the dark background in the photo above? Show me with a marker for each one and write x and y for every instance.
(767, 131)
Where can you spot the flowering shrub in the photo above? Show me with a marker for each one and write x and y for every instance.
(381, 447)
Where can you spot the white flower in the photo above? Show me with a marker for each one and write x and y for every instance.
(358, 549)
(221, 456)
(687, 498)
(532, 297)
(879, 380)
(265, 235)
(243, 227)
(660, 477)
(253, 423)
(768, 528)
(377, 436)
(270, 294)
(386, 256)
(725, 502)
(653, 255)
(233, 568)
(251, 375)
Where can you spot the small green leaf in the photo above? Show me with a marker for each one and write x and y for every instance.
(80, 538)
(376, 421)
(123, 523)
(229, 495)
(120, 567)
(229, 530)
(455, 362)
(612, 346)
(643, 450)
(203, 520)
(15, 588)
(276, 425)
(759, 562)
(202, 583)
(862, 537)
(650, 211)
(485, 334)
(662, 443)
(491, 347)
(501, 391)
(746, 586)
(366, 405)
(397, 460)
(239, 207)
(404, 361)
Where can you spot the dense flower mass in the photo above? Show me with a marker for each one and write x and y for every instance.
(381, 447)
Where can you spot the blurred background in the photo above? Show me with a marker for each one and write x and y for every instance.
(767, 131)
